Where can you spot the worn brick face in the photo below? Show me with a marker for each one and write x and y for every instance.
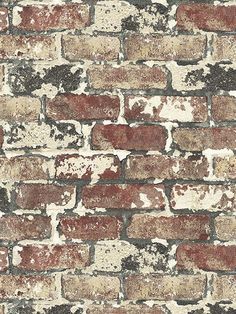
(128, 309)
(3, 19)
(223, 108)
(3, 258)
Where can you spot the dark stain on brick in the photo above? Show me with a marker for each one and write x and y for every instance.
(130, 24)
(4, 203)
(62, 309)
(216, 309)
(129, 263)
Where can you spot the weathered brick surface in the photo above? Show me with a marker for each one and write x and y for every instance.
(225, 167)
(3, 19)
(225, 227)
(127, 309)
(224, 48)
(2, 72)
(224, 288)
(223, 108)
(3, 258)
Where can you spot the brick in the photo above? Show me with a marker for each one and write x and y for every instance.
(48, 257)
(95, 48)
(126, 309)
(122, 256)
(19, 108)
(3, 19)
(224, 108)
(40, 196)
(91, 227)
(207, 17)
(127, 77)
(206, 257)
(164, 48)
(224, 287)
(90, 287)
(4, 199)
(51, 17)
(164, 288)
(225, 228)
(3, 259)
(2, 309)
(121, 136)
(24, 168)
(166, 108)
(203, 197)
(27, 47)
(16, 228)
(87, 168)
(2, 73)
(123, 196)
(199, 139)
(224, 48)
(27, 287)
(83, 107)
(225, 167)
(180, 227)
(139, 167)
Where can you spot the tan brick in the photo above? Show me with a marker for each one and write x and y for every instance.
(225, 167)
(225, 227)
(3, 258)
(125, 309)
(90, 287)
(164, 48)
(224, 288)
(224, 48)
(96, 48)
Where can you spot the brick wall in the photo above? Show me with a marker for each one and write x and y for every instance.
(117, 164)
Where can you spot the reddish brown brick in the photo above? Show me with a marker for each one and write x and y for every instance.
(127, 77)
(224, 108)
(51, 17)
(166, 108)
(164, 48)
(96, 48)
(27, 47)
(16, 228)
(124, 196)
(3, 19)
(91, 227)
(224, 48)
(47, 257)
(2, 73)
(224, 287)
(126, 309)
(90, 287)
(3, 258)
(206, 256)
(165, 167)
(83, 107)
(39, 196)
(225, 227)
(121, 136)
(164, 288)
(207, 17)
(204, 197)
(189, 227)
(202, 138)
(27, 287)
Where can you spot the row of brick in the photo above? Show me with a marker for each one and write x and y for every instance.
(137, 287)
(107, 48)
(189, 17)
(137, 108)
(193, 197)
(94, 228)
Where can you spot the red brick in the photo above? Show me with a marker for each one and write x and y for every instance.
(83, 107)
(223, 108)
(126, 309)
(27, 287)
(96, 48)
(40, 196)
(119, 136)
(225, 228)
(3, 19)
(166, 108)
(224, 288)
(16, 228)
(164, 48)
(164, 288)
(123, 196)
(1, 137)
(165, 167)
(24, 168)
(204, 197)
(206, 257)
(90, 287)
(48, 257)
(224, 48)
(207, 17)
(127, 77)
(51, 17)
(86, 168)
(203, 138)
(3, 258)
(2, 73)
(91, 227)
(191, 227)
(27, 47)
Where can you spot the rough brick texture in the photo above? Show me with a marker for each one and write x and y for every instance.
(117, 157)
